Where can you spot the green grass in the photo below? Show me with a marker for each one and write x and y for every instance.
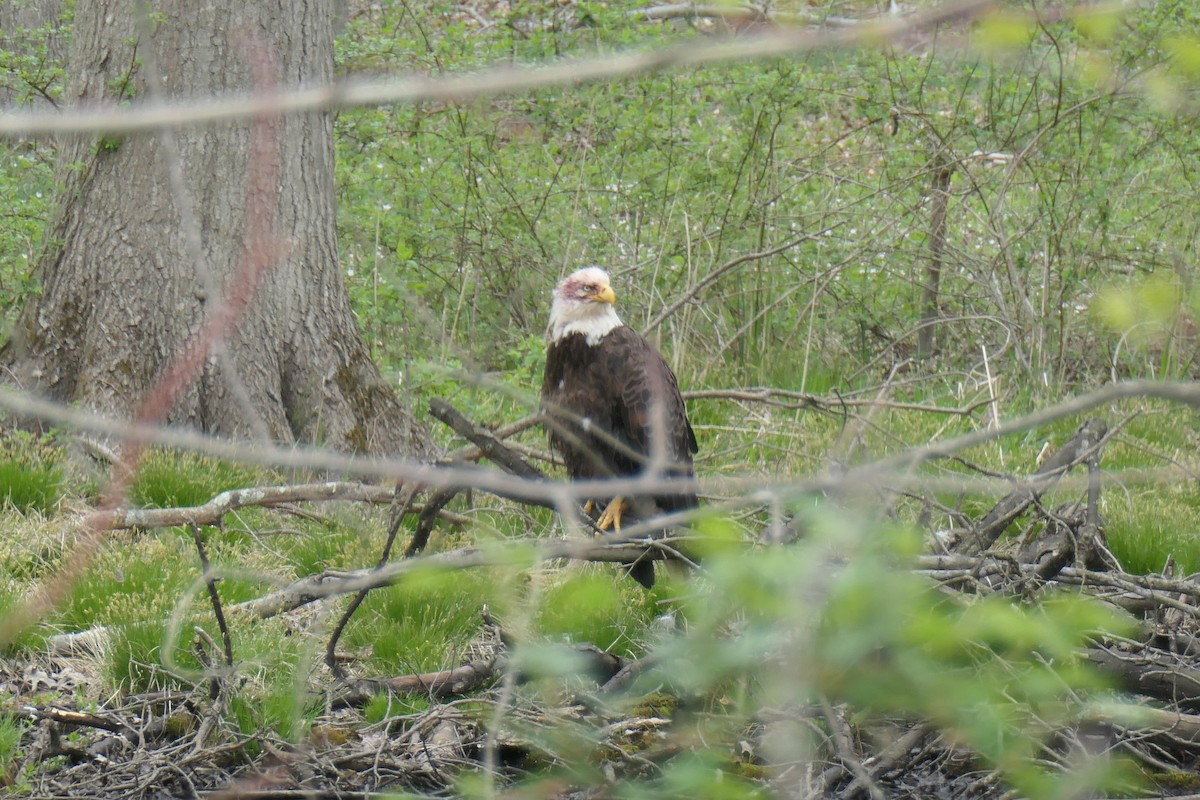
(31, 472)
(386, 705)
(1156, 526)
(135, 659)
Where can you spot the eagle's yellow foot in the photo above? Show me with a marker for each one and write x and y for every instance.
(589, 506)
(611, 518)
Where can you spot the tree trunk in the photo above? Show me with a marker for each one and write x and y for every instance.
(930, 297)
(153, 228)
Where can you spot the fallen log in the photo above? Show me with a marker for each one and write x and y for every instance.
(1078, 449)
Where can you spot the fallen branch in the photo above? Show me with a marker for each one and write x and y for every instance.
(211, 512)
(489, 446)
(471, 452)
(1142, 720)
(67, 717)
(523, 552)
(441, 684)
(1149, 672)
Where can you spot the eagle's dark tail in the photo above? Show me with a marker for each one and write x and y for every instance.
(643, 572)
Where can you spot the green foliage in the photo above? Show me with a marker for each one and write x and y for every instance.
(454, 221)
(838, 617)
(468, 213)
(30, 74)
(29, 67)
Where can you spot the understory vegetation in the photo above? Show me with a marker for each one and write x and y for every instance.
(772, 226)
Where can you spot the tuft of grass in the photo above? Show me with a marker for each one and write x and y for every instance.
(10, 744)
(30, 487)
(1152, 527)
(385, 706)
(129, 582)
(599, 605)
(169, 478)
(425, 622)
(315, 550)
(287, 706)
(135, 659)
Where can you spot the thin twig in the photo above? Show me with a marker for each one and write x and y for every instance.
(210, 581)
(426, 519)
(404, 497)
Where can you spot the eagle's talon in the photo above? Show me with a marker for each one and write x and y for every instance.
(611, 518)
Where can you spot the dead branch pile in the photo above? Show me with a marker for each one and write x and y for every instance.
(480, 717)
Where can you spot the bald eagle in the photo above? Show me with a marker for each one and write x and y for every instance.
(612, 405)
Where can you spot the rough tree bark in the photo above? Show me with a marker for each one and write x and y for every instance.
(130, 271)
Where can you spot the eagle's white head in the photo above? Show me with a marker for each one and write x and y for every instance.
(583, 303)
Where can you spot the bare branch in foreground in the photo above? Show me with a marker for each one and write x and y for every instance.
(744, 15)
(895, 470)
(496, 80)
(788, 398)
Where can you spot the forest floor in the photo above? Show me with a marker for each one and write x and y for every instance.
(488, 726)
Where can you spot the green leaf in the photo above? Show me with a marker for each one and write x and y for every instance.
(1184, 50)
(1098, 27)
(1004, 31)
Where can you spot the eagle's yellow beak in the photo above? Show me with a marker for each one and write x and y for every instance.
(606, 295)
